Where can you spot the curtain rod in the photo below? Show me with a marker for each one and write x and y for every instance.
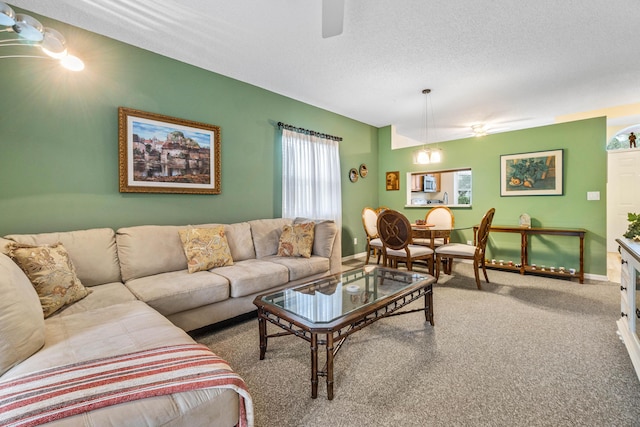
(307, 131)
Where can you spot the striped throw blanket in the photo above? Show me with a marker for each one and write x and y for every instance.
(63, 391)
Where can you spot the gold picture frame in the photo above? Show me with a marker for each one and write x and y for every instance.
(163, 154)
(538, 173)
(393, 181)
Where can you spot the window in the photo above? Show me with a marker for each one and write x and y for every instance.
(625, 138)
(462, 187)
(310, 176)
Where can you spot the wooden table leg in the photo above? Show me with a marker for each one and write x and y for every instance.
(314, 365)
(428, 300)
(581, 258)
(524, 252)
(262, 328)
(330, 366)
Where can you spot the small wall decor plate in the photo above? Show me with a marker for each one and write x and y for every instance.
(363, 170)
(353, 175)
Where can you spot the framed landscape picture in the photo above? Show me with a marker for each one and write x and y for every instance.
(162, 154)
(532, 174)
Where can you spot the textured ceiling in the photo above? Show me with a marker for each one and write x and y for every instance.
(508, 64)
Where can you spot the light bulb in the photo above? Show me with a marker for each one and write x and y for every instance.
(435, 156)
(423, 157)
(72, 63)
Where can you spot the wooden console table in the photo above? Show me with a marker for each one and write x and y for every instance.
(524, 248)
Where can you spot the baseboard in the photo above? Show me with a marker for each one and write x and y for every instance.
(594, 277)
(362, 255)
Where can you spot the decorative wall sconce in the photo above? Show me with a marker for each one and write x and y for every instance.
(32, 34)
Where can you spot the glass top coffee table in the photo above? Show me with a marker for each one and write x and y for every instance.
(326, 311)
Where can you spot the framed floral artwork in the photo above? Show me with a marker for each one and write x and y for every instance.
(532, 174)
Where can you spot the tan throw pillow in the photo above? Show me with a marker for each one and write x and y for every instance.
(324, 235)
(296, 240)
(51, 272)
(205, 248)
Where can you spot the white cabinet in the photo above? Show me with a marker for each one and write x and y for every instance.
(629, 322)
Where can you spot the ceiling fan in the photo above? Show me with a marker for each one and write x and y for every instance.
(332, 18)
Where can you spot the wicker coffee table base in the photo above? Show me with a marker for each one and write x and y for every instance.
(332, 335)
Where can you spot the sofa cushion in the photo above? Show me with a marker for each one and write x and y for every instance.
(121, 329)
(296, 240)
(205, 248)
(104, 295)
(21, 319)
(266, 235)
(177, 291)
(253, 275)
(300, 267)
(52, 273)
(147, 250)
(93, 252)
(325, 233)
(240, 241)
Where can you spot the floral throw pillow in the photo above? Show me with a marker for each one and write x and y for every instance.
(52, 274)
(205, 248)
(296, 240)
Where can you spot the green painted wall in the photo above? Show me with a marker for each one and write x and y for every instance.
(59, 145)
(59, 152)
(585, 169)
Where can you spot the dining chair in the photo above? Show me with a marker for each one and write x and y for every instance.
(374, 244)
(440, 216)
(395, 232)
(462, 251)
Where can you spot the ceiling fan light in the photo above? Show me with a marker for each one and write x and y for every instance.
(478, 130)
(28, 28)
(7, 15)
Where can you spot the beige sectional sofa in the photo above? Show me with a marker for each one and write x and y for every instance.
(142, 297)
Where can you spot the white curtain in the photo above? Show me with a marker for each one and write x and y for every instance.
(310, 177)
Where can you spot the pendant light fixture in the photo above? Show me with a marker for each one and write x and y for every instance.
(424, 156)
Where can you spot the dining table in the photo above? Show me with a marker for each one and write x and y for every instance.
(431, 232)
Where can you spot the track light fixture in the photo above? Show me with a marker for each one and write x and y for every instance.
(30, 33)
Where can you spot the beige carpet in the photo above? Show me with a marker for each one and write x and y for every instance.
(525, 351)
